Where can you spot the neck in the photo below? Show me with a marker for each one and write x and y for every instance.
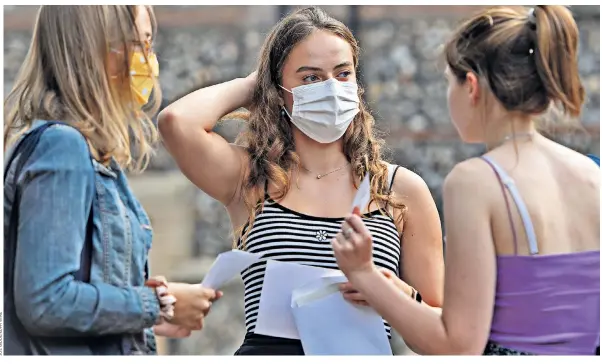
(317, 157)
(503, 129)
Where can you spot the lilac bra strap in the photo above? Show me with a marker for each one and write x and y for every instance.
(508, 182)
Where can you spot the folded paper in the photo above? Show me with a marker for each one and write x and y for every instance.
(330, 325)
(227, 265)
(274, 317)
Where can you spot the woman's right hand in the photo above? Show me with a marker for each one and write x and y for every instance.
(352, 295)
(193, 302)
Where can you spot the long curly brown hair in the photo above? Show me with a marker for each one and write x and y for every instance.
(268, 137)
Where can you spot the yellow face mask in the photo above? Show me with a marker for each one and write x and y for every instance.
(141, 75)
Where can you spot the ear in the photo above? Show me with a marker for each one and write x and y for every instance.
(474, 90)
(280, 96)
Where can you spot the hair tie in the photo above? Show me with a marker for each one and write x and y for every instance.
(531, 19)
(532, 22)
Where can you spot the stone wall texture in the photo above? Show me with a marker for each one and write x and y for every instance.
(400, 68)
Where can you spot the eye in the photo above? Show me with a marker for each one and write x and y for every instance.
(311, 78)
(344, 74)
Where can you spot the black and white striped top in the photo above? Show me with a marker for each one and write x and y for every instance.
(289, 236)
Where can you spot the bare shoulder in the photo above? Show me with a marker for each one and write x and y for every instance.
(581, 162)
(408, 184)
(470, 177)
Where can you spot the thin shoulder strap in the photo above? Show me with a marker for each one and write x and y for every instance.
(508, 182)
(392, 171)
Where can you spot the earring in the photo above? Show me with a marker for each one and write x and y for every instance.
(282, 113)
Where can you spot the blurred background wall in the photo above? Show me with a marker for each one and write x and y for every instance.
(400, 68)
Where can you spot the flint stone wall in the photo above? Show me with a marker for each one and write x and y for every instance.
(197, 45)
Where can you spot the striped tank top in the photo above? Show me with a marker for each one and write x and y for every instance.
(285, 235)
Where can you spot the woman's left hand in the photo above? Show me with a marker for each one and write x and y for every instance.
(166, 329)
(353, 246)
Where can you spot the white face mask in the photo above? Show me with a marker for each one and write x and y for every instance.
(324, 110)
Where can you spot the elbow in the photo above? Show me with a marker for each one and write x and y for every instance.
(467, 351)
(51, 310)
(434, 299)
(434, 302)
(37, 316)
(466, 346)
(166, 121)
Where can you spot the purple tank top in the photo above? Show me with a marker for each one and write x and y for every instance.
(545, 304)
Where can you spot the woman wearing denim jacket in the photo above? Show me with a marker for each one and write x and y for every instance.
(92, 68)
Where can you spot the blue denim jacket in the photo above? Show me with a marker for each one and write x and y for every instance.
(59, 183)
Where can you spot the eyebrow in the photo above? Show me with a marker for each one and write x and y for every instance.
(318, 69)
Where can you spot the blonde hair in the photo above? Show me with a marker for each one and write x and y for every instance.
(65, 77)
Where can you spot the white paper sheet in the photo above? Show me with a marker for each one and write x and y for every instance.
(362, 196)
(227, 265)
(275, 317)
(330, 325)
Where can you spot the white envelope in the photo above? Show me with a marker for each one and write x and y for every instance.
(275, 317)
(227, 265)
(330, 325)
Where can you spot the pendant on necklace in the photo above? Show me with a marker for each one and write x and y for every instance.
(319, 176)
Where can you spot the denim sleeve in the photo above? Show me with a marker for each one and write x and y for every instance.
(57, 192)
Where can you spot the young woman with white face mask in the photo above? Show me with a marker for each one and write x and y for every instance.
(293, 173)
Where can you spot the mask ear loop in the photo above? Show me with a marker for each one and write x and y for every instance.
(287, 90)
(283, 112)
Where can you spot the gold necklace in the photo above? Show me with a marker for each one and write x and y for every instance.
(320, 176)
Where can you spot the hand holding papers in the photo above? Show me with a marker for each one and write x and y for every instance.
(275, 317)
(329, 325)
(227, 266)
(303, 302)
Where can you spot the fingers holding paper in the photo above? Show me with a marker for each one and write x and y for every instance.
(351, 295)
(353, 246)
(193, 304)
(355, 297)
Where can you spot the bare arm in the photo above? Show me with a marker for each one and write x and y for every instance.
(207, 159)
(422, 249)
(463, 327)
(422, 265)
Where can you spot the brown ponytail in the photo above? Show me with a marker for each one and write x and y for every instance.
(528, 58)
(556, 56)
